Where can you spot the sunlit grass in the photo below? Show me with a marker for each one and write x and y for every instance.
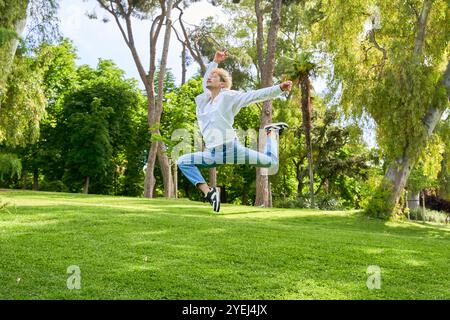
(131, 248)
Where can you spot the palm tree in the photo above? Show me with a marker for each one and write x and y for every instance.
(300, 70)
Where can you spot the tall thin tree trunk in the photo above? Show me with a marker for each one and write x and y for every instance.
(270, 195)
(212, 177)
(423, 206)
(150, 181)
(245, 195)
(86, 185)
(155, 116)
(305, 87)
(166, 170)
(24, 179)
(162, 154)
(175, 179)
(266, 66)
(36, 180)
(262, 178)
(413, 199)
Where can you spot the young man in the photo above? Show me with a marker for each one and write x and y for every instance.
(216, 108)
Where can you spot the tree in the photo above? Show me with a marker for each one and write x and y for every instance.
(266, 64)
(123, 11)
(10, 165)
(342, 163)
(391, 62)
(21, 100)
(89, 146)
(59, 78)
(426, 171)
(43, 27)
(444, 173)
(23, 105)
(102, 129)
(179, 113)
(300, 69)
(13, 15)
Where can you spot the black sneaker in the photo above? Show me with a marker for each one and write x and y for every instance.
(280, 126)
(213, 198)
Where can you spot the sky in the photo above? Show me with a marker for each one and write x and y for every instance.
(95, 39)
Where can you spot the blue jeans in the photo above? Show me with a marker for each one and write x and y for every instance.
(230, 153)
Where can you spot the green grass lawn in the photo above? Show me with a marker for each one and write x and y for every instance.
(133, 248)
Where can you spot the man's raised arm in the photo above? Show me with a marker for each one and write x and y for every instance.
(245, 98)
(218, 57)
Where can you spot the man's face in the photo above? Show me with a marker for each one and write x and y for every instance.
(214, 81)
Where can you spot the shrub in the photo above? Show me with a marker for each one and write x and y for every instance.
(329, 202)
(56, 186)
(298, 202)
(430, 215)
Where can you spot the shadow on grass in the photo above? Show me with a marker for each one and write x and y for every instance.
(360, 222)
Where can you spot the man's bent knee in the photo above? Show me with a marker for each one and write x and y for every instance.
(183, 161)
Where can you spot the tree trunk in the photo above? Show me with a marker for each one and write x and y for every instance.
(423, 206)
(24, 179)
(35, 180)
(305, 87)
(166, 170)
(155, 112)
(162, 155)
(154, 107)
(245, 196)
(399, 170)
(299, 175)
(270, 195)
(175, 179)
(266, 67)
(86, 185)
(299, 185)
(413, 200)
(213, 177)
(262, 178)
(150, 181)
(421, 27)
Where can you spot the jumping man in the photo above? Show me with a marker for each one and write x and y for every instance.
(216, 108)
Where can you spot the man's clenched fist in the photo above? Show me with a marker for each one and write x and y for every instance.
(286, 85)
(220, 56)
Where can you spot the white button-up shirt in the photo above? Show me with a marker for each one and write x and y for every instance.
(215, 117)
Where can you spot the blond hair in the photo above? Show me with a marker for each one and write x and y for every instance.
(224, 76)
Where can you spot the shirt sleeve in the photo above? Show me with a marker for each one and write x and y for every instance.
(211, 66)
(243, 99)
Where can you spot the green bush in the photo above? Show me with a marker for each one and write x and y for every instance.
(298, 202)
(380, 206)
(329, 202)
(55, 186)
(322, 202)
(430, 215)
